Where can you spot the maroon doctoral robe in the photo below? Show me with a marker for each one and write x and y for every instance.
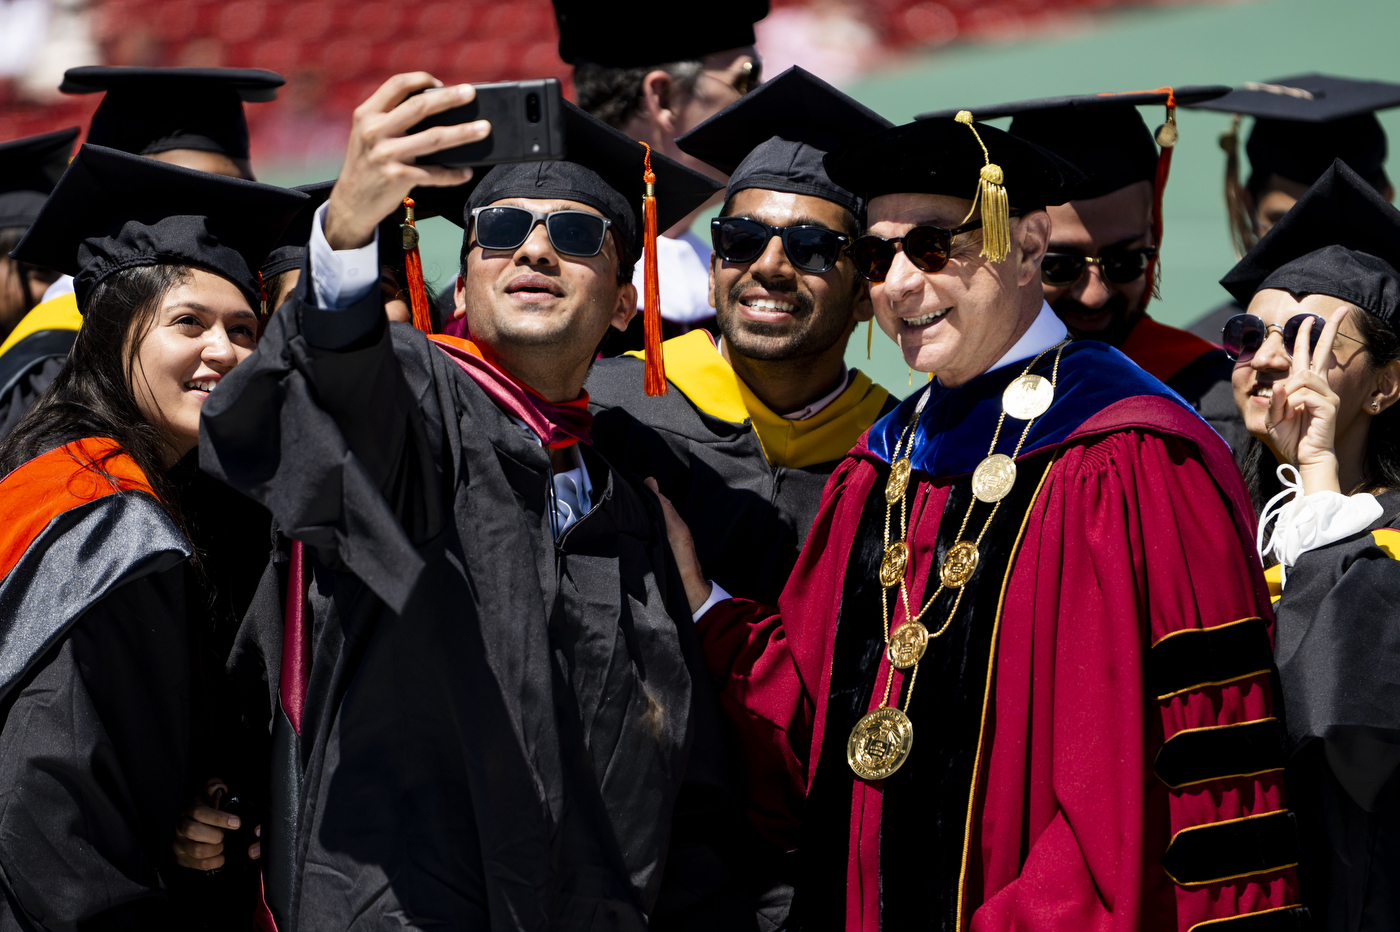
(1095, 742)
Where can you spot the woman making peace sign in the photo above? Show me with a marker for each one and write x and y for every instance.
(1317, 377)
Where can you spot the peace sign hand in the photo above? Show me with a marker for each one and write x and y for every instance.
(1303, 411)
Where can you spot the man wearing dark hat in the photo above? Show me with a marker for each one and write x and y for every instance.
(656, 71)
(492, 701)
(1101, 269)
(36, 328)
(1301, 124)
(1028, 598)
(759, 419)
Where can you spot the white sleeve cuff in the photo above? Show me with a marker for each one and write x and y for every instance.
(1308, 522)
(716, 595)
(340, 277)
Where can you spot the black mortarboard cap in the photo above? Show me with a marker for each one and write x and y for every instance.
(775, 137)
(1103, 135)
(291, 246)
(113, 211)
(638, 33)
(152, 110)
(29, 169)
(1341, 238)
(1287, 139)
(603, 169)
(942, 157)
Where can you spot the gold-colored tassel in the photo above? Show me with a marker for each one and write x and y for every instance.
(991, 192)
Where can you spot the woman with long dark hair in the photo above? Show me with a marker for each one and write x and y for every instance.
(120, 571)
(1317, 381)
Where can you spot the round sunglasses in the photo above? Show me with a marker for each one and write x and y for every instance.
(1244, 334)
(809, 247)
(571, 232)
(1062, 269)
(928, 247)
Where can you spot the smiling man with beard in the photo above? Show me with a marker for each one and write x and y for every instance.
(759, 418)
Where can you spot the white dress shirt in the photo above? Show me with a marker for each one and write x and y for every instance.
(683, 268)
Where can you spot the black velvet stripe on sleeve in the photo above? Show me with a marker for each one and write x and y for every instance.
(1235, 848)
(1284, 919)
(1200, 754)
(1197, 657)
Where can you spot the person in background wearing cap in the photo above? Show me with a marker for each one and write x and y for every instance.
(1317, 378)
(1102, 269)
(32, 346)
(656, 71)
(124, 575)
(1302, 123)
(982, 691)
(760, 418)
(502, 720)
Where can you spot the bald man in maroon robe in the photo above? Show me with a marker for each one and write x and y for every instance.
(1047, 704)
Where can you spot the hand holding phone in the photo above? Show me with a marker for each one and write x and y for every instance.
(381, 166)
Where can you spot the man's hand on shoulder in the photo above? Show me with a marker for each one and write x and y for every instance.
(380, 168)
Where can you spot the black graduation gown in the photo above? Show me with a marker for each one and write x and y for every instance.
(1338, 652)
(115, 707)
(749, 518)
(501, 731)
(27, 369)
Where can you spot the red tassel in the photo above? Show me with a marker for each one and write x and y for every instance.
(1166, 138)
(413, 265)
(651, 303)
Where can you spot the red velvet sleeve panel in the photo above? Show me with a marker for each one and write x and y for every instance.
(771, 665)
(1134, 539)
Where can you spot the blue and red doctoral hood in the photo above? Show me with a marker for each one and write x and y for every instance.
(957, 423)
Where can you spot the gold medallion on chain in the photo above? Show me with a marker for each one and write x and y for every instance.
(1028, 396)
(993, 478)
(892, 564)
(899, 480)
(958, 564)
(880, 744)
(907, 644)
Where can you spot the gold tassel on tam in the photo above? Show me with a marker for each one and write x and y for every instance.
(991, 191)
(413, 265)
(1167, 137)
(651, 305)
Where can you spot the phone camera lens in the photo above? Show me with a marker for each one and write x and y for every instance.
(532, 108)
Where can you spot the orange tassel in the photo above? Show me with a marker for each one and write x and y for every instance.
(413, 265)
(1166, 138)
(651, 303)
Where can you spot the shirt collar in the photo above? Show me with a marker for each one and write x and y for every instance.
(1045, 331)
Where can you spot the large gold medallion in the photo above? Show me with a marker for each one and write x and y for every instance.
(899, 480)
(907, 644)
(1028, 397)
(892, 564)
(958, 564)
(880, 744)
(993, 478)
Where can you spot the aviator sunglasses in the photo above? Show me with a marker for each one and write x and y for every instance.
(808, 247)
(928, 248)
(1062, 269)
(571, 232)
(1244, 334)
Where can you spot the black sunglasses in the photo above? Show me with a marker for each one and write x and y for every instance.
(1243, 334)
(928, 247)
(808, 247)
(571, 232)
(1062, 269)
